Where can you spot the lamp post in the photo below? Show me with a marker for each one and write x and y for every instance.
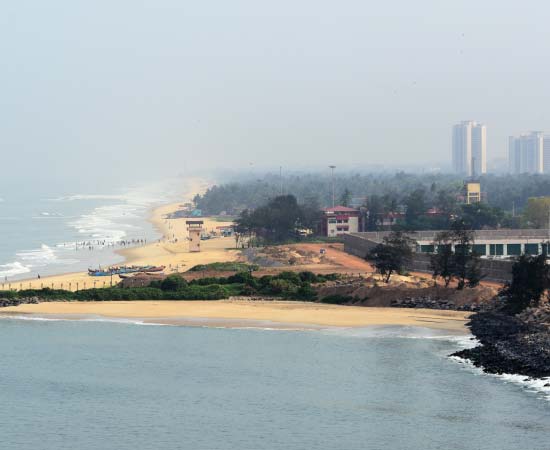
(332, 179)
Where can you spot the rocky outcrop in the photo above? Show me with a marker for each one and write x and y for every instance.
(5, 302)
(409, 295)
(429, 302)
(509, 345)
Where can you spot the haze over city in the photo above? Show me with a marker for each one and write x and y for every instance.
(285, 225)
(230, 84)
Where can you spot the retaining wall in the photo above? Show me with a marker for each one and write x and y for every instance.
(494, 270)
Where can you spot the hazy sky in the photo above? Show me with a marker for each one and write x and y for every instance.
(134, 84)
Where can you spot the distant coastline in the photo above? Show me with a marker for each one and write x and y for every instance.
(170, 249)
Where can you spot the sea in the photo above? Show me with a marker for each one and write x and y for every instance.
(126, 385)
(55, 230)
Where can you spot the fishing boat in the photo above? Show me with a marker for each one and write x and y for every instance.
(99, 273)
(123, 270)
(155, 269)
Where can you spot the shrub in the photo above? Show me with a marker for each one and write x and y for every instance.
(291, 277)
(307, 276)
(173, 282)
(225, 266)
(306, 292)
(278, 286)
(242, 277)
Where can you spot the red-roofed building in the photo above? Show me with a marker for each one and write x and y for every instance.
(339, 220)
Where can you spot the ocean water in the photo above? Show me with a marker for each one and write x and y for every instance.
(47, 232)
(96, 385)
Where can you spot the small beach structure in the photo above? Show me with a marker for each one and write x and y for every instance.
(194, 227)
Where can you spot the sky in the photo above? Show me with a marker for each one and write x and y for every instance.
(134, 88)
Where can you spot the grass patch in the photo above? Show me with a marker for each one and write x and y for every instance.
(225, 267)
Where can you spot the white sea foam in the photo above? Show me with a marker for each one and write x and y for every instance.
(48, 215)
(118, 218)
(113, 222)
(123, 321)
(38, 257)
(406, 332)
(12, 269)
(535, 385)
(75, 197)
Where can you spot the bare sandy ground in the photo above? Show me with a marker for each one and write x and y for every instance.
(241, 312)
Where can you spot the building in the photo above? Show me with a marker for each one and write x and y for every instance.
(487, 243)
(469, 147)
(546, 154)
(194, 227)
(526, 153)
(472, 192)
(339, 220)
(498, 249)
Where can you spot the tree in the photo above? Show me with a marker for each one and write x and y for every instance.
(529, 281)
(415, 203)
(375, 210)
(442, 261)
(537, 211)
(311, 212)
(196, 199)
(480, 215)
(445, 201)
(466, 261)
(173, 282)
(473, 272)
(276, 221)
(243, 226)
(345, 199)
(462, 263)
(392, 254)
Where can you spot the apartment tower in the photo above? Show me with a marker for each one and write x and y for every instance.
(470, 148)
(526, 153)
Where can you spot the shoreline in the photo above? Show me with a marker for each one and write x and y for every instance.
(241, 313)
(170, 249)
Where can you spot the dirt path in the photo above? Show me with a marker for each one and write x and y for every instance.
(345, 263)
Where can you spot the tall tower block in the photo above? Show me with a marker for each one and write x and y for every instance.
(194, 227)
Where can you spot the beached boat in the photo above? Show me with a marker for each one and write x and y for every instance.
(155, 269)
(99, 273)
(123, 270)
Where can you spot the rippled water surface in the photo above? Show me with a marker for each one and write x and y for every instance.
(86, 385)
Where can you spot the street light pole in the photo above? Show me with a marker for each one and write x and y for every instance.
(332, 179)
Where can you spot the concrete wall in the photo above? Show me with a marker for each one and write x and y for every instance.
(494, 270)
(540, 235)
(359, 245)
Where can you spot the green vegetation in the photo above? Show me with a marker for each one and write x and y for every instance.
(279, 220)
(287, 285)
(461, 263)
(530, 279)
(408, 196)
(392, 254)
(225, 267)
(537, 212)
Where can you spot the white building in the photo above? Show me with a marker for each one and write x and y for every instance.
(470, 148)
(526, 153)
(546, 154)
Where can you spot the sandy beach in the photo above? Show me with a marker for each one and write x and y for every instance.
(281, 314)
(163, 252)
